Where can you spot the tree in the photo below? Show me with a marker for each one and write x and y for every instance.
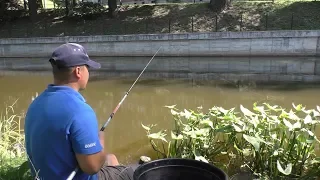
(33, 8)
(112, 7)
(219, 4)
(5, 5)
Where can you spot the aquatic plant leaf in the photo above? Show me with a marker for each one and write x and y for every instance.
(255, 121)
(259, 109)
(315, 113)
(237, 128)
(174, 136)
(171, 107)
(173, 112)
(246, 111)
(310, 140)
(307, 119)
(207, 122)
(299, 107)
(288, 169)
(261, 140)
(274, 108)
(145, 127)
(310, 133)
(296, 125)
(318, 108)
(192, 134)
(221, 109)
(202, 132)
(188, 115)
(293, 116)
(225, 129)
(201, 158)
(252, 140)
(246, 152)
(283, 114)
(288, 124)
(158, 135)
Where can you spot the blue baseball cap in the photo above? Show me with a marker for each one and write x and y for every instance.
(72, 54)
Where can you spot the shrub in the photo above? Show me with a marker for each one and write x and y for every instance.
(268, 141)
(11, 140)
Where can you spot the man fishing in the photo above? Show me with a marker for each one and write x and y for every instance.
(61, 129)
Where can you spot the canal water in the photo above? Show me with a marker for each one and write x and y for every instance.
(145, 104)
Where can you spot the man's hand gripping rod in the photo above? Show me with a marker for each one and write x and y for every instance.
(71, 176)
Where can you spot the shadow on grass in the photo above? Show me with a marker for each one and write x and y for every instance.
(170, 18)
(131, 20)
(297, 16)
(15, 172)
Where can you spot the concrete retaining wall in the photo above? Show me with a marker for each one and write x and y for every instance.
(268, 43)
(258, 69)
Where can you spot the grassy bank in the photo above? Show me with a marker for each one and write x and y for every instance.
(171, 18)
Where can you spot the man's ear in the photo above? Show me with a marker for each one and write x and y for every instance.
(78, 71)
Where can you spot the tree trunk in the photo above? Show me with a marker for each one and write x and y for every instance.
(112, 8)
(218, 5)
(2, 8)
(25, 4)
(33, 9)
(74, 3)
(39, 4)
(67, 7)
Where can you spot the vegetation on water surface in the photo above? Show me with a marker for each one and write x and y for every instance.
(12, 153)
(269, 141)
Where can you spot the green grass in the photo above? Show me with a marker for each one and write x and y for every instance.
(172, 18)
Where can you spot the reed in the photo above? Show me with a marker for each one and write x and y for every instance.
(12, 152)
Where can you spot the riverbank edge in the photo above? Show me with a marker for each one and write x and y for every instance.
(221, 44)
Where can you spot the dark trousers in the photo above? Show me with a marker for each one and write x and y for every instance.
(116, 172)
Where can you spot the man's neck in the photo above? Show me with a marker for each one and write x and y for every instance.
(72, 85)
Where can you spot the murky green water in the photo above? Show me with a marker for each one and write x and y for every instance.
(124, 135)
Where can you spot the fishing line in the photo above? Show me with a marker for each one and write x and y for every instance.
(116, 109)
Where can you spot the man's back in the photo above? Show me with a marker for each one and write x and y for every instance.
(58, 124)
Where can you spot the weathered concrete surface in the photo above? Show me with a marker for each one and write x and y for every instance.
(265, 43)
(259, 69)
(318, 47)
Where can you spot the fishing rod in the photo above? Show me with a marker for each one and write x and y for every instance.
(71, 176)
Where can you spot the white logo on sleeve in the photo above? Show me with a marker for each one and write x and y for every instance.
(90, 145)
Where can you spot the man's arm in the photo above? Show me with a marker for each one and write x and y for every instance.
(87, 142)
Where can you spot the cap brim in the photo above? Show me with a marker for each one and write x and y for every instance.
(93, 64)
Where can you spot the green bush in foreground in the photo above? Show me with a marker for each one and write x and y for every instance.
(12, 152)
(269, 142)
